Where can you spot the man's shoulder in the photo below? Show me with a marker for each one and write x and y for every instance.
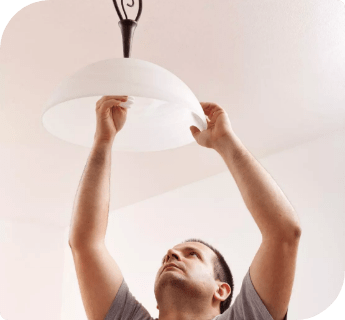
(247, 305)
(126, 307)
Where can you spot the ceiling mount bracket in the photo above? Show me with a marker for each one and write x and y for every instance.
(127, 26)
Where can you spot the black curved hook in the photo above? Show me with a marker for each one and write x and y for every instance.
(123, 8)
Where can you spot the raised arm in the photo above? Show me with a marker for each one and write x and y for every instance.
(273, 269)
(99, 276)
(271, 210)
(91, 206)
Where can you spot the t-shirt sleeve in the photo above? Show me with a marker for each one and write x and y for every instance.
(247, 305)
(126, 307)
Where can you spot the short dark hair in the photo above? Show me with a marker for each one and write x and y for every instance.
(221, 271)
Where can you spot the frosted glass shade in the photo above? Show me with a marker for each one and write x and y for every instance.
(164, 107)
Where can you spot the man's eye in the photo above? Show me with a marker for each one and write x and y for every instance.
(195, 253)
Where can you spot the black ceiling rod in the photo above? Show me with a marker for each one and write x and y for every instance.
(118, 10)
(123, 8)
(127, 27)
(140, 9)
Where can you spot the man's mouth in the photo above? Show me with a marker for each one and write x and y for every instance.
(170, 265)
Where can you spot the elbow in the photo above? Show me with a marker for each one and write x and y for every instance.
(297, 232)
(70, 244)
(294, 235)
(293, 231)
(291, 234)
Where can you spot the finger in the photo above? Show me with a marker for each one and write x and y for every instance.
(210, 107)
(115, 97)
(108, 104)
(105, 98)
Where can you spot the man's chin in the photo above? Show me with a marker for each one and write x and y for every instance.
(171, 279)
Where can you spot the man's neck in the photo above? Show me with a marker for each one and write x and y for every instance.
(188, 315)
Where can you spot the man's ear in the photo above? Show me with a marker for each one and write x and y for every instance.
(223, 291)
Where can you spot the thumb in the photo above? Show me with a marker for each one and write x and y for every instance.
(195, 132)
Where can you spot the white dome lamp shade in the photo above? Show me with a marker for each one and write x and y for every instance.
(161, 107)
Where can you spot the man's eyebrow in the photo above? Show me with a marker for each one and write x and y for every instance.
(189, 249)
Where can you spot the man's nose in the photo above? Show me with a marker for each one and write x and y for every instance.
(173, 254)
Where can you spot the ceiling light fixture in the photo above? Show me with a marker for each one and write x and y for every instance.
(164, 107)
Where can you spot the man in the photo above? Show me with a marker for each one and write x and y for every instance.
(194, 281)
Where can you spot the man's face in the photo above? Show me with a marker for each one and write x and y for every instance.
(194, 273)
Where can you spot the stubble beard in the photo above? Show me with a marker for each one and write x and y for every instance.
(179, 286)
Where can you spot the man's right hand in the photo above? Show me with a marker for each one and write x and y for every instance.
(110, 117)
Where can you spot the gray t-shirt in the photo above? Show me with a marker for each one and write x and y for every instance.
(247, 305)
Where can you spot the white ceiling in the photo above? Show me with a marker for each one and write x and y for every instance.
(277, 68)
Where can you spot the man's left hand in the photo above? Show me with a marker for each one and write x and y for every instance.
(218, 126)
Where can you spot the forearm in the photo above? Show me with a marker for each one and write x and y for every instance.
(91, 206)
(271, 210)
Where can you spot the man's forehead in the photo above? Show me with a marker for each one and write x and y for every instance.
(196, 245)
